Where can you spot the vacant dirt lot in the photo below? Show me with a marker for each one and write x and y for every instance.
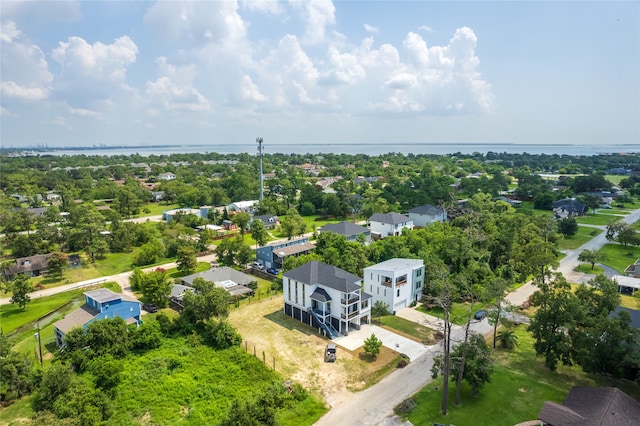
(298, 351)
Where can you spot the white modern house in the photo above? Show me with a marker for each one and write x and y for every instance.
(427, 214)
(326, 297)
(388, 224)
(395, 282)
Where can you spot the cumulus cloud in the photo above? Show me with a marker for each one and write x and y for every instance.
(24, 67)
(92, 77)
(173, 91)
(264, 6)
(317, 15)
(197, 23)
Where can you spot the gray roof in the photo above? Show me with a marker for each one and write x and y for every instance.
(76, 318)
(427, 209)
(320, 273)
(365, 296)
(178, 290)
(585, 406)
(633, 313)
(36, 262)
(344, 228)
(571, 205)
(295, 249)
(102, 295)
(267, 219)
(220, 274)
(320, 295)
(391, 217)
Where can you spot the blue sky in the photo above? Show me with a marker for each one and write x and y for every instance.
(224, 72)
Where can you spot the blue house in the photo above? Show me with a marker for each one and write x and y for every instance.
(272, 255)
(99, 304)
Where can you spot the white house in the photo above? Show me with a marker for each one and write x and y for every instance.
(326, 297)
(166, 176)
(395, 282)
(389, 224)
(427, 214)
(242, 206)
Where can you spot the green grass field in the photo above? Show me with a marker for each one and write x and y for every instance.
(459, 312)
(619, 257)
(409, 329)
(520, 385)
(584, 234)
(597, 219)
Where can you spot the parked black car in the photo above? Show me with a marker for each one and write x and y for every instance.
(150, 308)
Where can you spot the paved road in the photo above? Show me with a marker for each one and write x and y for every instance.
(374, 406)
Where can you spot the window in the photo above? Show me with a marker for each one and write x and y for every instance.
(289, 288)
(385, 292)
(371, 287)
(398, 293)
(296, 291)
(303, 298)
(418, 284)
(419, 272)
(378, 290)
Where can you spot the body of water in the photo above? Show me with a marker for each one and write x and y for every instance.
(352, 148)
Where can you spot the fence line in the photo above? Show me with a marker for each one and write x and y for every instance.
(269, 361)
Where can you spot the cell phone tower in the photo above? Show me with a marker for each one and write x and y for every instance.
(259, 140)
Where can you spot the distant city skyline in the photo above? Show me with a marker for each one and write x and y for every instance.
(122, 73)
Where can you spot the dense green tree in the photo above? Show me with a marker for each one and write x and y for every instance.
(292, 224)
(156, 287)
(242, 220)
(57, 263)
(259, 232)
(591, 256)
(16, 379)
(56, 380)
(207, 302)
(20, 287)
(372, 346)
(187, 260)
(568, 226)
(478, 365)
(557, 306)
(109, 336)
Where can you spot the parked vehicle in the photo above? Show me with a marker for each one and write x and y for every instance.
(257, 265)
(480, 315)
(273, 271)
(152, 309)
(330, 353)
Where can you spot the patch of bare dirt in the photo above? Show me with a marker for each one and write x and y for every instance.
(298, 351)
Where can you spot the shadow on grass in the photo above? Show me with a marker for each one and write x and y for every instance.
(367, 357)
(289, 323)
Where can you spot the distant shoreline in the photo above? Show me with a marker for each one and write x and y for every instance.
(371, 149)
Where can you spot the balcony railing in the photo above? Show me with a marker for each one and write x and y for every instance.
(387, 283)
(399, 283)
(351, 315)
(322, 313)
(352, 299)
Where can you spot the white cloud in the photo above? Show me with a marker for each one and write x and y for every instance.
(12, 89)
(24, 68)
(271, 7)
(425, 29)
(250, 91)
(83, 112)
(174, 90)
(370, 29)
(317, 15)
(197, 23)
(98, 61)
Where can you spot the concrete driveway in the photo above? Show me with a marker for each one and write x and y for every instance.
(391, 340)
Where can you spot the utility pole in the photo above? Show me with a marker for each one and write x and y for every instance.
(39, 344)
(259, 140)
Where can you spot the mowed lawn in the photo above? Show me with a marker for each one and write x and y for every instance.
(619, 256)
(520, 385)
(584, 234)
